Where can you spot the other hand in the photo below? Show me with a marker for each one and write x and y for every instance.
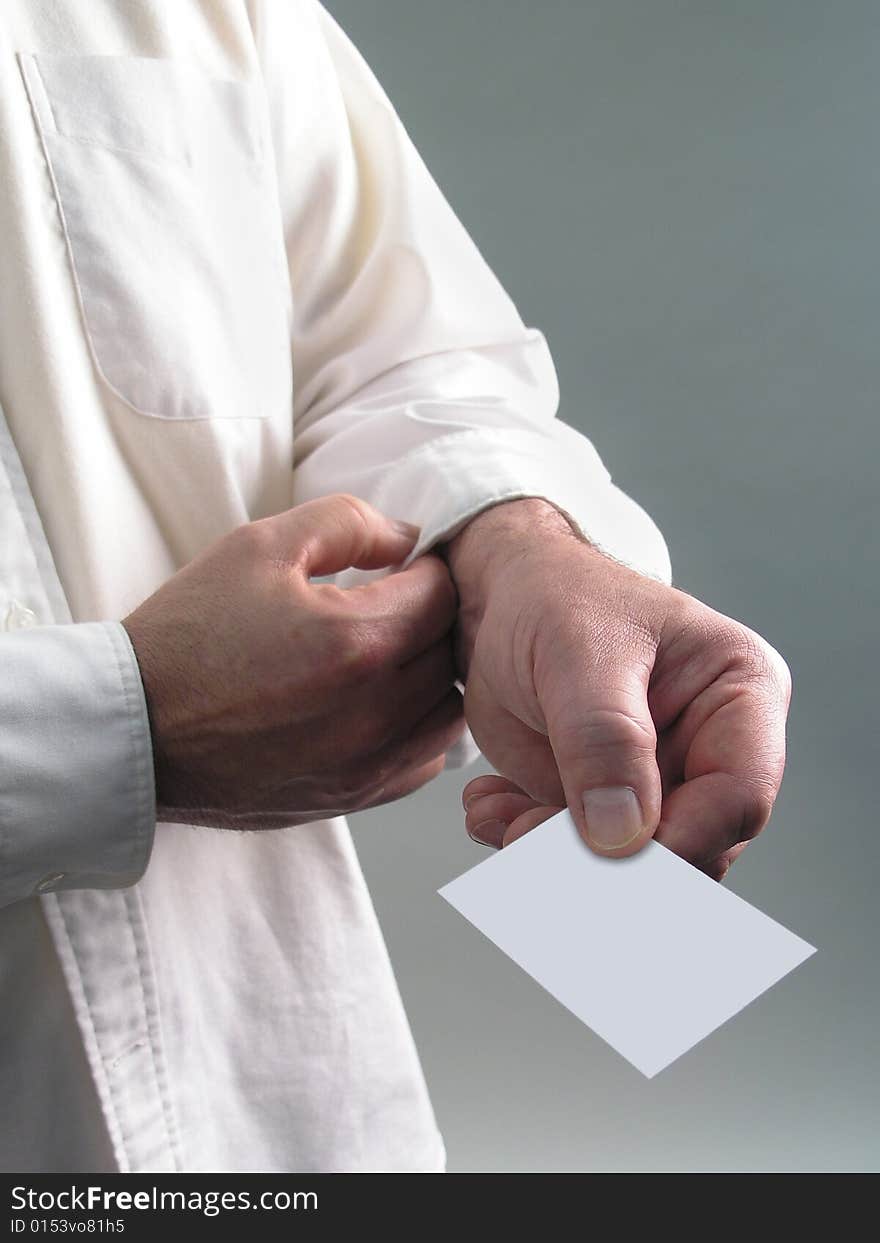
(276, 701)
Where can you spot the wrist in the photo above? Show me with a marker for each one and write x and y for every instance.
(157, 702)
(491, 544)
(501, 534)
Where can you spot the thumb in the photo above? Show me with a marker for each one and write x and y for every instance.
(333, 533)
(605, 746)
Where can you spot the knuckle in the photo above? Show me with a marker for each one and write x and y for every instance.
(717, 870)
(350, 508)
(421, 776)
(383, 774)
(352, 788)
(358, 650)
(373, 782)
(742, 647)
(758, 801)
(411, 777)
(600, 729)
(251, 539)
(351, 797)
(781, 671)
(755, 659)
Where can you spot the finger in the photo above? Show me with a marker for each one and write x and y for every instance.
(332, 533)
(670, 761)
(408, 782)
(504, 806)
(527, 821)
(733, 736)
(499, 811)
(710, 815)
(399, 767)
(724, 862)
(510, 744)
(496, 833)
(600, 728)
(430, 737)
(405, 695)
(413, 608)
(488, 783)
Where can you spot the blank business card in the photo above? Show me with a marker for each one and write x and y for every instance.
(647, 951)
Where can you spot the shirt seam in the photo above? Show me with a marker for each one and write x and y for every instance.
(84, 1010)
(137, 927)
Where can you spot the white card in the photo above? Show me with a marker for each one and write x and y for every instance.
(647, 951)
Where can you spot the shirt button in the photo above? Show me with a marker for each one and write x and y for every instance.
(49, 881)
(18, 617)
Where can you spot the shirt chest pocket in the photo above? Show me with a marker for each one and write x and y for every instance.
(170, 214)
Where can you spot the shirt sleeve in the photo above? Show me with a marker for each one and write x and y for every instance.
(77, 792)
(417, 384)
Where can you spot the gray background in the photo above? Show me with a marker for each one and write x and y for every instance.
(685, 197)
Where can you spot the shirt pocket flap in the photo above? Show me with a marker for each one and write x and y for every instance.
(156, 107)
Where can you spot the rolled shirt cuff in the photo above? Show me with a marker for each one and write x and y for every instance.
(442, 485)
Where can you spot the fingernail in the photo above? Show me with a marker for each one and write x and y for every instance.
(406, 528)
(489, 833)
(472, 798)
(614, 817)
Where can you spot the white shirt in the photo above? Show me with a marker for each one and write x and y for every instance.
(228, 284)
